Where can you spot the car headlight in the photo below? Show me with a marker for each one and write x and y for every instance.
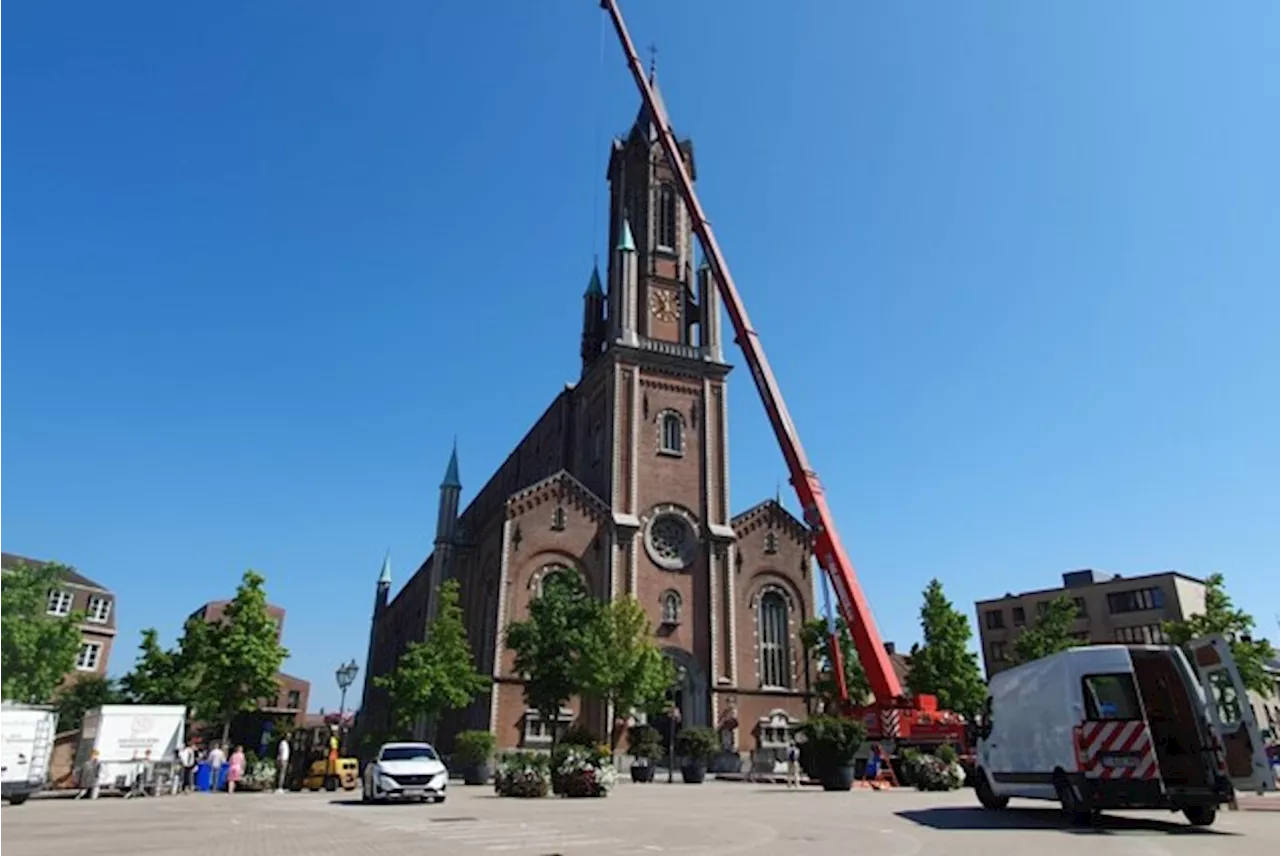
(386, 781)
(439, 780)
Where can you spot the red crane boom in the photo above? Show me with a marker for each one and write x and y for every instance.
(830, 552)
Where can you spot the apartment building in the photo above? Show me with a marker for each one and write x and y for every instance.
(1110, 608)
(77, 594)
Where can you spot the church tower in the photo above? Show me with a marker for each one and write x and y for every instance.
(664, 407)
(446, 533)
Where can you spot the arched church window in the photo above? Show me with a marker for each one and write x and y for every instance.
(671, 440)
(551, 576)
(671, 607)
(772, 632)
(667, 209)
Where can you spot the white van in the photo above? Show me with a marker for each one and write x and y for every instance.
(1122, 726)
(26, 734)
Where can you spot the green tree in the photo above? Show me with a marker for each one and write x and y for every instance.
(1236, 626)
(815, 636)
(241, 657)
(621, 665)
(437, 674)
(77, 698)
(1050, 633)
(37, 650)
(944, 666)
(549, 645)
(169, 676)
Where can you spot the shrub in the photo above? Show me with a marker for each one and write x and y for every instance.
(643, 741)
(831, 741)
(946, 753)
(932, 772)
(261, 777)
(698, 743)
(473, 748)
(585, 772)
(522, 774)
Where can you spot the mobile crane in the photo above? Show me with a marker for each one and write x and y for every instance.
(894, 715)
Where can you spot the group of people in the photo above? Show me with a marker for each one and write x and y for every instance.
(189, 757)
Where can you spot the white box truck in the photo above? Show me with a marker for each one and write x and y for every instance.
(125, 736)
(27, 732)
(1122, 726)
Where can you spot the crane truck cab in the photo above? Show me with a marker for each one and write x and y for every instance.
(1122, 726)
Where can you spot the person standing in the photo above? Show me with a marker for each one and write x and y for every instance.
(872, 773)
(187, 758)
(793, 765)
(216, 759)
(236, 771)
(282, 763)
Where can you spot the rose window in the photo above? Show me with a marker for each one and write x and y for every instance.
(670, 542)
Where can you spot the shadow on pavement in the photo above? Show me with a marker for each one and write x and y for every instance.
(964, 817)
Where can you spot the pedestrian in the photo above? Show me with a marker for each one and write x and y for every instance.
(872, 773)
(187, 758)
(216, 759)
(282, 763)
(793, 765)
(237, 769)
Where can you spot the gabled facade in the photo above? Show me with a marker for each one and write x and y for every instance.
(624, 480)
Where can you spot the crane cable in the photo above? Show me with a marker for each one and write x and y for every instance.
(595, 147)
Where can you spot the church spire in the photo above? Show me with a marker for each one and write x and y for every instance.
(384, 578)
(593, 331)
(451, 473)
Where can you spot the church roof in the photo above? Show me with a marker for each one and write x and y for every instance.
(626, 242)
(594, 288)
(770, 511)
(384, 578)
(644, 120)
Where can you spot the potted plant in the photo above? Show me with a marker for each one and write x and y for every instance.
(696, 745)
(831, 742)
(473, 754)
(643, 744)
(523, 775)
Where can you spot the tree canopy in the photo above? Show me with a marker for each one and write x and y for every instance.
(172, 676)
(943, 665)
(815, 636)
(1236, 626)
(549, 645)
(620, 663)
(437, 674)
(38, 650)
(77, 698)
(1050, 633)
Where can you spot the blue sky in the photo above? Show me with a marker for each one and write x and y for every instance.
(1015, 264)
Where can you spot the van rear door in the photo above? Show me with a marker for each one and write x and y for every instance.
(1229, 710)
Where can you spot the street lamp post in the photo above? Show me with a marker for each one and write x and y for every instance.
(346, 675)
(671, 725)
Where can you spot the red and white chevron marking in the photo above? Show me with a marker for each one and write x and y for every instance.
(1116, 750)
(891, 720)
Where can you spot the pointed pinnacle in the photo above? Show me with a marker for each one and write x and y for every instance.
(594, 289)
(384, 578)
(625, 242)
(451, 474)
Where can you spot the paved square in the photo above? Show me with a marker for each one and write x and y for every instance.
(713, 818)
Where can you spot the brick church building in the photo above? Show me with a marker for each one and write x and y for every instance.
(624, 479)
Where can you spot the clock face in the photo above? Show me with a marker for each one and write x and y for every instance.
(664, 306)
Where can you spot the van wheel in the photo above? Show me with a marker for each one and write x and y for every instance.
(19, 799)
(989, 799)
(1200, 815)
(1071, 807)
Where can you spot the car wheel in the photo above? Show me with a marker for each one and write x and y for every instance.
(990, 800)
(17, 799)
(1200, 815)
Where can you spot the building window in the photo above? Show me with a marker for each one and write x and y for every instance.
(997, 652)
(671, 607)
(775, 666)
(770, 542)
(1082, 611)
(1111, 697)
(1146, 634)
(295, 700)
(671, 435)
(59, 602)
(99, 609)
(1042, 608)
(775, 730)
(1135, 600)
(551, 575)
(558, 519)
(537, 731)
(89, 657)
(667, 212)
(995, 619)
(669, 541)
(1019, 616)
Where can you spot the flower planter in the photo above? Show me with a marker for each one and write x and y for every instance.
(642, 772)
(837, 778)
(477, 774)
(694, 774)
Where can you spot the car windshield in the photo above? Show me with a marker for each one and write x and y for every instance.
(408, 753)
